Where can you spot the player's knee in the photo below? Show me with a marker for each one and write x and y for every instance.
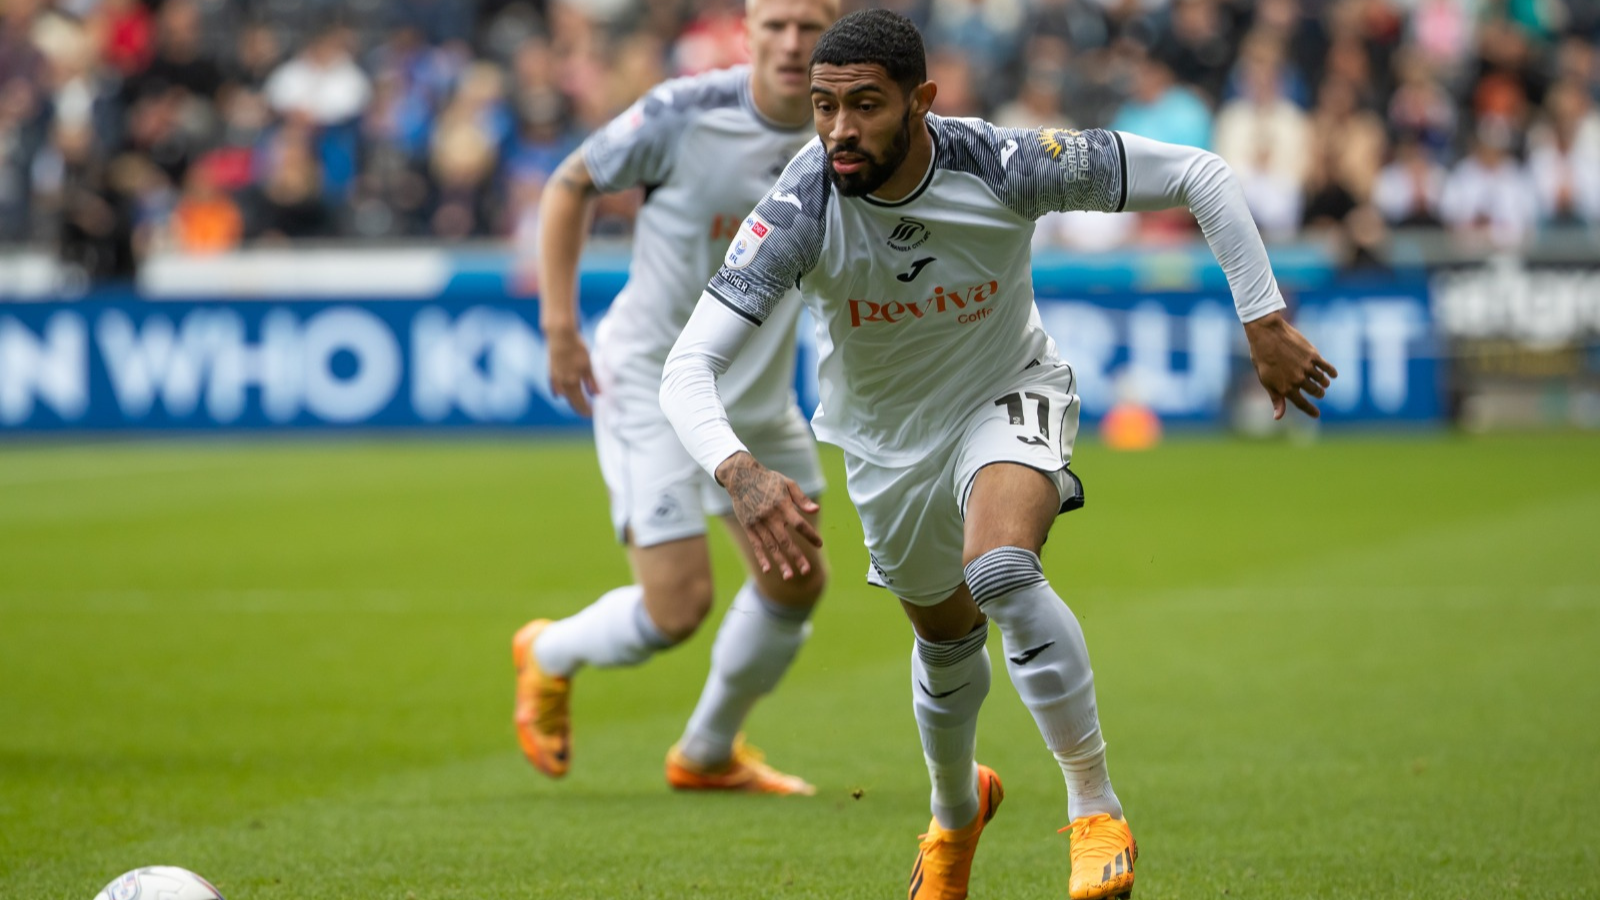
(680, 606)
(1002, 571)
(802, 591)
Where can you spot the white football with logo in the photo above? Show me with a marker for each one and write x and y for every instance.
(159, 883)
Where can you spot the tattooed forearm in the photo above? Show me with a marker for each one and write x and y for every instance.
(573, 175)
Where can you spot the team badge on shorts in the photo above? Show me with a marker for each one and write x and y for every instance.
(747, 242)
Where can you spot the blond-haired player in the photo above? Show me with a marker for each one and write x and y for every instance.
(705, 149)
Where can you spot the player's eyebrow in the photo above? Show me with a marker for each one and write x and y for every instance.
(865, 88)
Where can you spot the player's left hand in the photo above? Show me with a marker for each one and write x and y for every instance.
(770, 506)
(1287, 364)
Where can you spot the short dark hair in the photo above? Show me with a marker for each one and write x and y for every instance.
(875, 36)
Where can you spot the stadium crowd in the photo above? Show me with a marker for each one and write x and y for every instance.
(197, 125)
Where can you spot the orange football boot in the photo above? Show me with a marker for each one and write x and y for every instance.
(746, 772)
(544, 725)
(1103, 851)
(944, 859)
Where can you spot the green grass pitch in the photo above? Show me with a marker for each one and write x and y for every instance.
(1364, 668)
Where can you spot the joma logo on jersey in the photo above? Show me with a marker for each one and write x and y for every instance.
(942, 301)
(909, 234)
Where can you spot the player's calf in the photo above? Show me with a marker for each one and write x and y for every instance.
(1048, 661)
(755, 646)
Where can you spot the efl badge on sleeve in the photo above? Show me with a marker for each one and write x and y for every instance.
(747, 242)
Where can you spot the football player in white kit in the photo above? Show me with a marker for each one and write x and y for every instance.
(705, 149)
(909, 237)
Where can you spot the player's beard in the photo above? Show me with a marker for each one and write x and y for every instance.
(878, 170)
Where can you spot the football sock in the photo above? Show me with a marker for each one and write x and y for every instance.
(1048, 662)
(949, 680)
(755, 644)
(615, 630)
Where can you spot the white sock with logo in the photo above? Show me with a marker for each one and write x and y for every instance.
(755, 645)
(949, 680)
(1048, 661)
(614, 631)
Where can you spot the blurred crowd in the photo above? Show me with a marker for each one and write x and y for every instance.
(131, 126)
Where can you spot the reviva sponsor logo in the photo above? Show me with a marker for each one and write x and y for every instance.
(966, 304)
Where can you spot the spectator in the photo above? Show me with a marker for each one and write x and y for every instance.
(427, 116)
(1578, 60)
(1348, 64)
(1076, 23)
(127, 34)
(1441, 30)
(144, 198)
(24, 116)
(1265, 48)
(1489, 196)
(1509, 81)
(462, 164)
(985, 33)
(1328, 200)
(289, 204)
(1162, 110)
(1564, 157)
(205, 220)
(1420, 109)
(1199, 47)
(256, 55)
(1408, 189)
(1037, 104)
(96, 225)
(713, 40)
(322, 83)
(390, 198)
(181, 62)
(1351, 135)
(536, 85)
(440, 21)
(158, 133)
(958, 89)
(1267, 140)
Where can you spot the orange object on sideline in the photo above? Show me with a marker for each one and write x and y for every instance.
(1130, 426)
(204, 225)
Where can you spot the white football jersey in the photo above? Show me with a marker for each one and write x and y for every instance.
(923, 305)
(705, 156)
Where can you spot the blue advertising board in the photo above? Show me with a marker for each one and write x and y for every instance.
(1183, 355)
(479, 362)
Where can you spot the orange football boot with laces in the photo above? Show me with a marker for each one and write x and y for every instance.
(944, 859)
(544, 725)
(1103, 851)
(746, 772)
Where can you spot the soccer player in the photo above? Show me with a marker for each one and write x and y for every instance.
(908, 235)
(706, 149)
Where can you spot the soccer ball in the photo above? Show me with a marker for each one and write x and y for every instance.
(159, 883)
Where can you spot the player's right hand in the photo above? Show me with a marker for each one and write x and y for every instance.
(571, 374)
(1287, 364)
(770, 506)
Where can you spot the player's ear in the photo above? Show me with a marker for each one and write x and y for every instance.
(922, 98)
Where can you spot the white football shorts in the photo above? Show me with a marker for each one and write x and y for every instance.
(658, 492)
(913, 516)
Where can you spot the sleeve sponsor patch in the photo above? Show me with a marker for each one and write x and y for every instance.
(1070, 149)
(747, 242)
